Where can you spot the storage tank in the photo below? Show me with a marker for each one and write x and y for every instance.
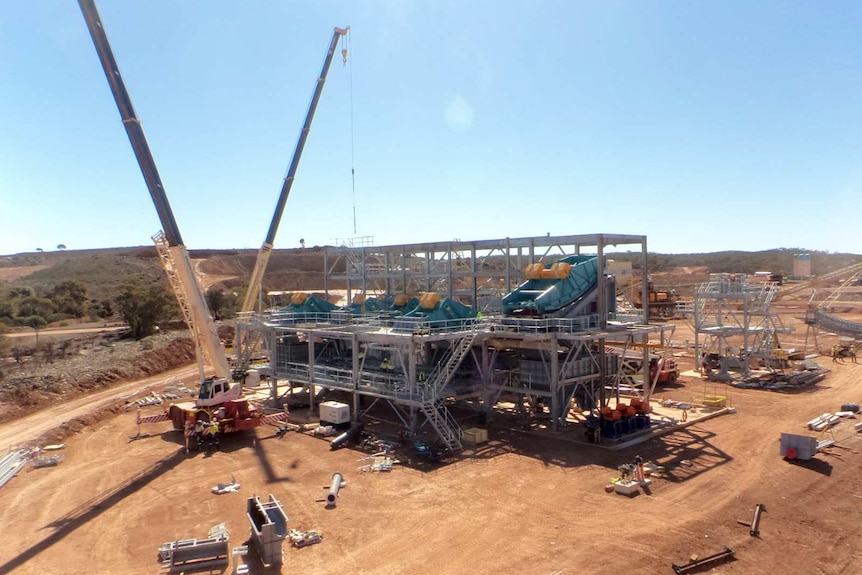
(802, 265)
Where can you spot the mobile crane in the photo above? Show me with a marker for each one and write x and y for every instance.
(217, 394)
(265, 251)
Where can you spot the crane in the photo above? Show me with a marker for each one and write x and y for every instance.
(173, 253)
(265, 251)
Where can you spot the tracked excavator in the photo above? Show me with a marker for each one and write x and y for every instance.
(218, 398)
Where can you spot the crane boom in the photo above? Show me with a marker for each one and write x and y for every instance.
(265, 251)
(174, 256)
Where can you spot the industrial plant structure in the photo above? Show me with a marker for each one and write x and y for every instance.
(435, 324)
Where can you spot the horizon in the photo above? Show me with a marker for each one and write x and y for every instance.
(800, 251)
(704, 127)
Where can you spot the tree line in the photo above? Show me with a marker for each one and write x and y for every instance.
(142, 307)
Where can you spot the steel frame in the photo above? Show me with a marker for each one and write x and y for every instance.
(437, 366)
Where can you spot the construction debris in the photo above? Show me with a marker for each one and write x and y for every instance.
(304, 538)
(223, 488)
(47, 460)
(759, 509)
(11, 464)
(197, 554)
(384, 463)
(775, 381)
(823, 421)
(697, 564)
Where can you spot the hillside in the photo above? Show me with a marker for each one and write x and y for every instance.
(102, 271)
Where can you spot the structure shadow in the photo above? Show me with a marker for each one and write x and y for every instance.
(91, 509)
(684, 453)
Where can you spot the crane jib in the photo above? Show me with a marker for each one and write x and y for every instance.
(132, 124)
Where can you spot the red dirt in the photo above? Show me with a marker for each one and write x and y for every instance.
(521, 504)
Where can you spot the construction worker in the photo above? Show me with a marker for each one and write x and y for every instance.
(385, 365)
(422, 377)
(200, 427)
(212, 433)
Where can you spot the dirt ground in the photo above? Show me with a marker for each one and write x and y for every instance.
(522, 503)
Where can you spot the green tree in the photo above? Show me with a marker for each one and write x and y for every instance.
(70, 297)
(143, 308)
(7, 312)
(223, 305)
(20, 292)
(32, 305)
(37, 322)
(100, 309)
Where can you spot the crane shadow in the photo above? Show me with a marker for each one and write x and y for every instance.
(91, 509)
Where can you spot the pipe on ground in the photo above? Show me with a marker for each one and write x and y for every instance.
(335, 486)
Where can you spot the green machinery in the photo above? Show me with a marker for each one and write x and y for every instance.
(566, 288)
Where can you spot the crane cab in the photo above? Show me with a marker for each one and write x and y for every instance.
(216, 390)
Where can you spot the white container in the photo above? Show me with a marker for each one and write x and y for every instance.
(334, 413)
(252, 378)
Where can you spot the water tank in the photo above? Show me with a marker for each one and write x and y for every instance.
(252, 378)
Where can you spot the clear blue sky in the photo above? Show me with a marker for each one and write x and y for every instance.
(703, 125)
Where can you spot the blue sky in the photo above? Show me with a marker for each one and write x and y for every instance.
(705, 126)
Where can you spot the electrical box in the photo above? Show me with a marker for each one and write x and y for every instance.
(334, 413)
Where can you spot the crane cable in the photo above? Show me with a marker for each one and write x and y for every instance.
(352, 156)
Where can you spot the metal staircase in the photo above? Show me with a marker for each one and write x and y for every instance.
(441, 377)
(444, 424)
(433, 405)
(837, 293)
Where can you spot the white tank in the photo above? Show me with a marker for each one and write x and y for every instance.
(252, 378)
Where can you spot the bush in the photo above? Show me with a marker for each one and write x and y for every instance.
(55, 317)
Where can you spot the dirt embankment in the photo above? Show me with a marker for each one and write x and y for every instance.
(29, 388)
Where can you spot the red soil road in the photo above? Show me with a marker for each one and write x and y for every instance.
(520, 505)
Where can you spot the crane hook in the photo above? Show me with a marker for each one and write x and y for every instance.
(344, 56)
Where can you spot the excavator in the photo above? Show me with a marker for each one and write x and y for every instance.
(218, 397)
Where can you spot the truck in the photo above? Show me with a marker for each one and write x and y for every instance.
(662, 303)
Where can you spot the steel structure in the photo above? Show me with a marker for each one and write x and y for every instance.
(420, 369)
(734, 323)
(477, 273)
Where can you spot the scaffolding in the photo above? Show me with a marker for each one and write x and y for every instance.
(734, 324)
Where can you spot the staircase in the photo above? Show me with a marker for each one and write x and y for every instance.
(444, 424)
(433, 406)
(440, 377)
